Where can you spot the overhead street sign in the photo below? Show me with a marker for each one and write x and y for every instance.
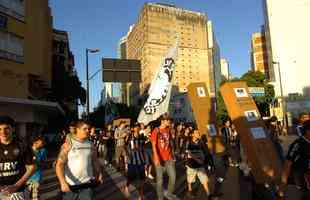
(257, 91)
(121, 70)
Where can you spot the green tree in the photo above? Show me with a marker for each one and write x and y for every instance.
(258, 79)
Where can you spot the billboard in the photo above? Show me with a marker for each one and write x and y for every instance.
(121, 70)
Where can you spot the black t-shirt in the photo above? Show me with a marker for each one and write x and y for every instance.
(299, 155)
(196, 149)
(13, 160)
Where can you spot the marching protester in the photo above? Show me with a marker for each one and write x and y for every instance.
(275, 131)
(94, 138)
(120, 135)
(67, 133)
(109, 145)
(16, 163)
(102, 145)
(297, 163)
(135, 161)
(77, 167)
(179, 134)
(163, 158)
(148, 152)
(40, 153)
(197, 158)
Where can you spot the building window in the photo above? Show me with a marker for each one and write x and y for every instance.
(14, 8)
(11, 47)
(3, 22)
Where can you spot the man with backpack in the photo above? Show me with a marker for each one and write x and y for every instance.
(16, 163)
(197, 158)
(163, 158)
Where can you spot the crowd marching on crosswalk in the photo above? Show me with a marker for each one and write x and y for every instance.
(129, 161)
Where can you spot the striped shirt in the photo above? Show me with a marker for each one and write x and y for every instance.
(135, 150)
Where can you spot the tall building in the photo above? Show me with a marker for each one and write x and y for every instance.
(128, 90)
(156, 30)
(26, 64)
(288, 46)
(64, 73)
(259, 53)
(214, 61)
(225, 68)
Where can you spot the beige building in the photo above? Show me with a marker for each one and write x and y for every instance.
(259, 53)
(26, 64)
(156, 30)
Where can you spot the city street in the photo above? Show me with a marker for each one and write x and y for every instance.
(220, 85)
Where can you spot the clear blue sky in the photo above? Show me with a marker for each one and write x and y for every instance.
(101, 23)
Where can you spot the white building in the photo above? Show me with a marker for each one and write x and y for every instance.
(225, 68)
(215, 61)
(288, 34)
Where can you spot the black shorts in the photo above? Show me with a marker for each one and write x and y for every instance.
(135, 172)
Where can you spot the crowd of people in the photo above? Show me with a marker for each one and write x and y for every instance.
(142, 153)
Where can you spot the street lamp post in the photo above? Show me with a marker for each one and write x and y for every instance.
(282, 96)
(87, 78)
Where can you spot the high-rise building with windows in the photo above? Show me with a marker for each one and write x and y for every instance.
(259, 53)
(26, 36)
(65, 82)
(157, 29)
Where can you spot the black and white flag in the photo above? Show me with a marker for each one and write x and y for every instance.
(160, 89)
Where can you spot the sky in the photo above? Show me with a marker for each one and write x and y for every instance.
(101, 23)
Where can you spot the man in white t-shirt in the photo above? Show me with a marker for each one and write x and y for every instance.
(77, 167)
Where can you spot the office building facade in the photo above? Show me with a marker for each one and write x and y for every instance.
(156, 30)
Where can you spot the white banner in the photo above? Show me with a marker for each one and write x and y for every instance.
(160, 90)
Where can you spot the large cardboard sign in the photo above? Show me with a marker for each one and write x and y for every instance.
(205, 116)
(259, 149)
(116, 122)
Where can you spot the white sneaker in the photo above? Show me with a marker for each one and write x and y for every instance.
(150, 176)
(170, 196)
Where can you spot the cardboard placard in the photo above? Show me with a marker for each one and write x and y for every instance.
(116, 122)
(205, 116)
(260, 151)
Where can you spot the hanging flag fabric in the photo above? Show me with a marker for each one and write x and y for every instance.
(159, 93)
